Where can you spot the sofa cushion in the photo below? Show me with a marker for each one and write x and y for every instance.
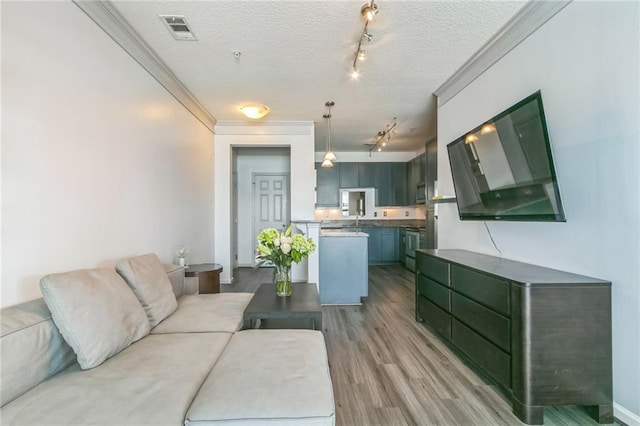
(150, 283)
(95, 311)
(31, 348)
(176, 277)
(270, 377)
(152, 382)
(200, 313)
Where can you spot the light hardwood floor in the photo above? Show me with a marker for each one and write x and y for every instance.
(387, 369)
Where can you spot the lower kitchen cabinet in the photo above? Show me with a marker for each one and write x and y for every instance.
(384, 245)
(374, 244)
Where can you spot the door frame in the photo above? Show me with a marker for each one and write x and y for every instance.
(253, 197)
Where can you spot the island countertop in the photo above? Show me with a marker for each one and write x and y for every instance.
(343, 234)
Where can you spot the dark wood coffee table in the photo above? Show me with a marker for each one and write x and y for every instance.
(303, 304)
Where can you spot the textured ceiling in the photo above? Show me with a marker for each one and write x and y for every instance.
(298, 54)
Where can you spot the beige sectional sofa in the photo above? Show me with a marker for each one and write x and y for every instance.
(80, 359)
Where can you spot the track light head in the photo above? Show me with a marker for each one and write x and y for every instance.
(369, 11)
(367, 36)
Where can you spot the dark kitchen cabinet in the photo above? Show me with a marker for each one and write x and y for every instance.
(384, 244)
(374, 244)
(384, 184)
(348, 175)
(389, 245)
(367, 175)
(327, 186)
(399, 184)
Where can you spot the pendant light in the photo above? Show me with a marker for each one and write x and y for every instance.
(329, 156)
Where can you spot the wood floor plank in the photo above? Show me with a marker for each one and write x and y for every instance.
(387, 369)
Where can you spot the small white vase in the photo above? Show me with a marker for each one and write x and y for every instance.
(182, 261)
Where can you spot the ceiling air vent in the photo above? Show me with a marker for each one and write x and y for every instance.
(179, 27)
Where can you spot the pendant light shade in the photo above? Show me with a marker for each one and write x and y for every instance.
(329, 155)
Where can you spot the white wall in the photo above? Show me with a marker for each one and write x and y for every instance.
(249, 162)
(99, 162)
(298, 137)
(585, 61)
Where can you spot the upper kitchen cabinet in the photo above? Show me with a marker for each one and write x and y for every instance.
(367, 175)
(348, 175)
(384, 184)
(416, 170)
(327, 189)
(399, 184)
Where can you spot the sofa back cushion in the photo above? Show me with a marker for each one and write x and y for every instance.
(149, 281)
(32, 349)
(176, 277)
(97, 314)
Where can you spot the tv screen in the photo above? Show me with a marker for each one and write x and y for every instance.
(503, 169)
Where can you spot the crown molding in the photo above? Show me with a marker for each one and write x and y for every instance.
(107, 17)
(238, 127)
(524, 23)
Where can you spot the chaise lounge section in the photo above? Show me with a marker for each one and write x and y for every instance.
(195, 366)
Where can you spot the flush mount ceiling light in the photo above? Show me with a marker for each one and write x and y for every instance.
(329, 156)
(383, 137)
(254, 111)
(369, 10)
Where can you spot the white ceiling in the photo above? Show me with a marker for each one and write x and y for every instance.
(298, 54)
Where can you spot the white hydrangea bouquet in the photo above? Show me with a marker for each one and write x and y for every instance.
(282, 249)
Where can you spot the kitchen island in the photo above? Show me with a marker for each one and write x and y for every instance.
(344, 270)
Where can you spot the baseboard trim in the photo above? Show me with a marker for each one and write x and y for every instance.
(625, 416)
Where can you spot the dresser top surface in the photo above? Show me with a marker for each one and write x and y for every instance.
(522, 273)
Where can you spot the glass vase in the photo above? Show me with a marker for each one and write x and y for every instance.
(282, 280)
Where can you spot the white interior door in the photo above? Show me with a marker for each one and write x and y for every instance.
(270, 202)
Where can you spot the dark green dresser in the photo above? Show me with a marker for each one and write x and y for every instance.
(543, 335)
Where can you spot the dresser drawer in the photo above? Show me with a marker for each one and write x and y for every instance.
(487, 356)
(489, 324)
(433, 268)
(435, 317)
(487, 290)
(434, 291)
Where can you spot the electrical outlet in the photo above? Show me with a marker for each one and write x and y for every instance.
(375, 214)
(406, 213)
(385, 213)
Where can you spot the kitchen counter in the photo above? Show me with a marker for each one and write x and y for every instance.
(343, 234)
(418, 224)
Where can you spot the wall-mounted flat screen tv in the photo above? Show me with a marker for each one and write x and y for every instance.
(503, 169)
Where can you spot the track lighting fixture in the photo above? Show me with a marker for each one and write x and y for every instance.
(487, 128)
(369, 10)
(383, 137)
(329, 156)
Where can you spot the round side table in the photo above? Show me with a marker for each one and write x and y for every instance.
(208, 275)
